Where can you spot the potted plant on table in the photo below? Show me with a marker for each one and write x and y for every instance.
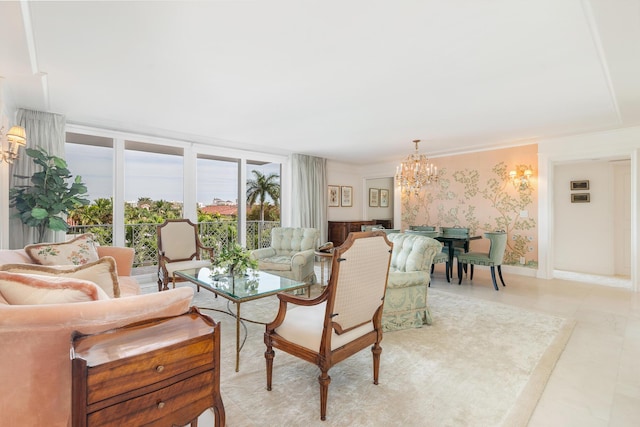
(49, 196)
(236, 260)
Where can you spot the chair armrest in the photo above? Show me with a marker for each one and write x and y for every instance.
(123, 256)
(262, 253)
(293, 299)
(407, 279)
(303, 257)
(206, 249)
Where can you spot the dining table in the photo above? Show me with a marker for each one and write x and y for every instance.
(449, 240)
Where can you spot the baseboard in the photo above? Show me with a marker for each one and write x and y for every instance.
(611, 281)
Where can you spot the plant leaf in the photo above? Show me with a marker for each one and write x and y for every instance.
(39, 213)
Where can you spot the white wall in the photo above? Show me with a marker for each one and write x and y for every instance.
(379, 212)
(341, 174)
(619, 143)
(584, 236)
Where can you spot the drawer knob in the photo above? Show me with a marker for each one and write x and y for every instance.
(160, 405)
(159, 368)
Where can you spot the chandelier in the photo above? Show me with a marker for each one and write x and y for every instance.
(416, 172)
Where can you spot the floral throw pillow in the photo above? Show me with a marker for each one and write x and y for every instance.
(79, 251)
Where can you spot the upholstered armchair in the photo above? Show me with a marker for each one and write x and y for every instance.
(343, 320)
(290, 254)
(405, 303)
(442, 256)
(179, 248)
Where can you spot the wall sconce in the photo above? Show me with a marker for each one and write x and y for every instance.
(11, 142)
(520, 177)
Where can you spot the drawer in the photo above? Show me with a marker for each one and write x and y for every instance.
(127, 374)
(180, 402)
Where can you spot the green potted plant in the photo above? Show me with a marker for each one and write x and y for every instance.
(49, 196)
(236, 260)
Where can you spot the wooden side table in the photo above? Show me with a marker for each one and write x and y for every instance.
(323, 257)
(155, 373)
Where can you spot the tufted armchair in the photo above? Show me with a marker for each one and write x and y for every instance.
(290, 254)
(405, 303)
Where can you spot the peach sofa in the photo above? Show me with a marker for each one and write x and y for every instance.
(35, 368)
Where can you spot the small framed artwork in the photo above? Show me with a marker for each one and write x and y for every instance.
(374, 194)
(580, 198)
(580, 185)
(334, 196)
(347, 196)
(384, 198)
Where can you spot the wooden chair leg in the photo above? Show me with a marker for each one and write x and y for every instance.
(376, 350)
(500, 274)
(269, 355)
(459, 272)
(324, 379)
(493, 277)
(447, 272)
(471, 272)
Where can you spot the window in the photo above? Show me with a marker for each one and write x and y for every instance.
(91, 157)
(154, 174)
(142, 183)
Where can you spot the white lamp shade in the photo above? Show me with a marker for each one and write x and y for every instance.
(17, 135)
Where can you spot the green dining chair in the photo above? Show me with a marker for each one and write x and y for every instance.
(456, 232)
(421, 228)
(492, 259)
(458, 247)
(441, 257)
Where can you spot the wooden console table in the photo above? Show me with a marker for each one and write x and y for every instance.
(155, 373)
(339, 230)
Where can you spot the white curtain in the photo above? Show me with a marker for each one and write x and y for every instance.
(44, 130)
(309, 189)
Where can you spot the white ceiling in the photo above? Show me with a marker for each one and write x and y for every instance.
(353, 81)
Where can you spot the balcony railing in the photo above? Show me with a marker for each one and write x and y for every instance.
(143, 238)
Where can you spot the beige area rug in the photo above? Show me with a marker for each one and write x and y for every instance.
(479, 364)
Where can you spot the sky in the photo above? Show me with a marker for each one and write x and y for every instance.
(157, 176)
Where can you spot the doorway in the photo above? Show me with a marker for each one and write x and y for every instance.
(592, 218)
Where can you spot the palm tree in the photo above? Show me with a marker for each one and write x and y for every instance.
(262, 186)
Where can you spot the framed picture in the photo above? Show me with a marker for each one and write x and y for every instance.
(580, 185)
(347, 196)
(334, 196)
(580, 198)
(384, 198)
(373, 197)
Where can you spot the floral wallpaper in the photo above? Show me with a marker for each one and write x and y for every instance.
(476, 191)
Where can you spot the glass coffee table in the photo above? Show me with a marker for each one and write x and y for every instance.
(238, 289)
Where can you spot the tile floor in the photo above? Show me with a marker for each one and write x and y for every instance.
(596, 381)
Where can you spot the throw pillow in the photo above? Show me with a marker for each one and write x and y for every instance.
(101, 272)
(30, 289)
(78, 251)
